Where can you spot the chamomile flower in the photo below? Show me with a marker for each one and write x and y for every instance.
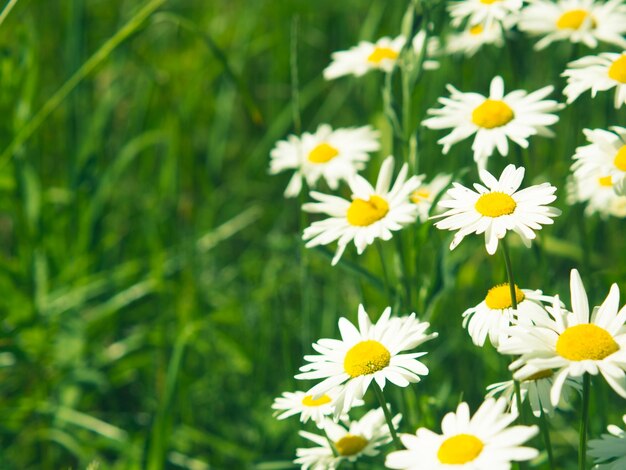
(577, 21)
(482, 441)
(492, 317)
(470, 40)
(424, 196)
(360, 438)
(573, 342)
(374, 212)
(497, 207)
(330, 154)
(303, 404)
(536, 389)
(494, 119)
(364, 57)
(597, 73)
(610, 450)
(597, 191)
(371, 352)
(485, 12)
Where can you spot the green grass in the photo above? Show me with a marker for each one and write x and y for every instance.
(154, 293)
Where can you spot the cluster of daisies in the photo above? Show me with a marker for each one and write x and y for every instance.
(554, 347)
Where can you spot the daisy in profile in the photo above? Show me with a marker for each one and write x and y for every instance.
(493, 119)
(485, 12)
(330, 154)
(483, 441)
(357, 439)
(573, 342)
(364, 57)
(493, 316)
(610, 450)
(577, 21)
(424, 196)
(597, 73)
(303, 404)
(597, 191)
(373, 212)
(369, 352)
(469, 41)
(497, 207)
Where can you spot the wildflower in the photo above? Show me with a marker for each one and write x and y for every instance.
(470, 40)
(485, 12)
(597, 73)
(364, 57)
(424, 196)
(303, 404)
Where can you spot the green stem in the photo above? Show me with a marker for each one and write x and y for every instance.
(406, 278)
(7, 9)
(545, 432)
(379, 248)
(518, 400)
(582, 447)
(388, 418)
(509, 272)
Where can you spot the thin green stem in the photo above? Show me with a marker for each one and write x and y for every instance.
(518, 400)
(7, 10)
(509, 272)
(379, 248)
(388, 417)
(406, 277)
(545, 433)
(584, 419)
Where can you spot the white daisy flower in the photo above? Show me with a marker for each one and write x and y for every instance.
(316, 409)
(537, 389)
(484, 12)
(374, 212)
(371, 352)
(577, 21)
(330, 154)
(494, 119)
(497, 207)
(470, 40)
(495, 313)
(573, 343)
(610, 450)
(364, 57)
(483, 441)
(361, 438)
(424, 196)
(432, 49)
(598, 192)
(597, 73)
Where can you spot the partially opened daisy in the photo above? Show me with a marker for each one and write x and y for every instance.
(303, 404)
(492, 317)
(497, 207)
(486, 12)
(494, 119)
(369, 352)
(597, 191)
(364, 57)
(330, 154)
(357, 439)
(483, 441)
(470, 40)
(373, 212)
(610, 450)
(573, 342)
(576, 21)
(424, 196)
(597, 73)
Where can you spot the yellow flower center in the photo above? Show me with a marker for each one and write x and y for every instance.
(420, 195)
(350, 445)
(492, 113)
(499, 297)
(488, 2)
(366, 358)
(606, 181)
(459, 449)
(308, 400)
(323, 153)
(382, 53)
(620, 158)
(476, 30)
(495, 204)
(363, 213)
(587, 341)
(574, 19)
(542, 374)
(617, 70)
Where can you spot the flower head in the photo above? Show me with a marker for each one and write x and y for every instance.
(610, 450)
(303, 404)
(485, 12)
(470, 40)
(364, 57)
(424, 196)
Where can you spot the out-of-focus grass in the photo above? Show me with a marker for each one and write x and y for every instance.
(154, 294)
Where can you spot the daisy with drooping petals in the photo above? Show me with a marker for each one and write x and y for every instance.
(371, 352)
(597, 190)
(573, 342)
(294, 403)
(373, 212)
(332, 154)
(483, 441)
(485, 12)
(497, 207)
(364, 57)
(469, 41)
(495, 313)
(597, 73)
(424, 196)
(362, 438)
(577, 21)
(494, 119)
(610, 450)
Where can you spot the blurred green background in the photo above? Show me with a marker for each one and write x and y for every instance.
(155, 296)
